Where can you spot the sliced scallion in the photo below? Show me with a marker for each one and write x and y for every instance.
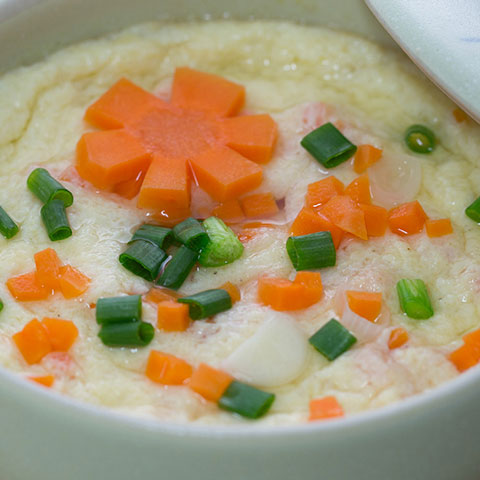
(246, 400)
(420, 139)
(1, 305)
(144, 259)
(414, 299)
(332, 339)
(224, 246)
(328, 146)
(191, 233)
(473, 210)
(208, 303)
(55, 219)
(312, 251)
(160, 236)
(46, 188)
(125, 309)
(8, 228)
(135, 334)
(178, 268)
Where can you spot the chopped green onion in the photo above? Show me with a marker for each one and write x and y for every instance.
(125, 309)
(246, 400)
(332, 339)
(328, 146)
(420, 139)
(473, 210)
(135, 334)
(178, 268)
(208, 303)
(315, 250)
(414, 298)
(8, 228)
(144, 259)
(224, 246)
(46, 188)
(191, 233)
(55, 219)
(160, 236)
(1, 305)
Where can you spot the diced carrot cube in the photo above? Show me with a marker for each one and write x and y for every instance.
(407, 219)
(209, 382)
(313, 288)
(324, 408)
(359, 190)
(259, 205)
(25, 288)
(375, 220)
(172, 316)
(366, 156)
(46, 381)
(365, 304)
(398, 337)
(72, 282)
(33, 342)
(233, 291)
(48, 268)
(472, 338)
(465, 357)
(321, 192)
(460, 115)
(61, 333)
(160, 294)
(438, 228)
(167, 369)
(230, 212)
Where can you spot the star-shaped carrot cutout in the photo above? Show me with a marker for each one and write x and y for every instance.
(156, 148)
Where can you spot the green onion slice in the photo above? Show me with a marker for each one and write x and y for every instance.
(55, 219)
(246, 400)
(312, 251)
(473, 210)
(160, 236)
(125, 309)
(178, 268)
(328, 146)
(414, 299)
(420, 139)
(8, 228)
(136, 334)
(1, 305)
(191, 233)
(144, 259)
(46, 188)
(224, 246)
(208, 303)
(332, 339)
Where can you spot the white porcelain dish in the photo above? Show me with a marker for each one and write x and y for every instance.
(434, 436)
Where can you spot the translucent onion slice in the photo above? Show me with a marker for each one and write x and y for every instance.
(364, 330)
(395, 179)
(276, 354)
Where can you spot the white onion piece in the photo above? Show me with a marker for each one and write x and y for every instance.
(364, 330)
(395, 179)
(274, 355)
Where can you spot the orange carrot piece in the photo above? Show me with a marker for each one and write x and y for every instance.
(324, 408)
(61, 333)
(312, 283)
(398, 337)
(259, 205)
(460, 115)
(209, 382)
(343, 212)
(25, 288)
(72, 282)
(472, 338)
(438, 228)
(117, 107)
(33, 342)
(365, 304)
(166, 188)
(48, 268)
(204, 91)
(172, 316)
(321, 192)
(130, 188)
(167, 369)
(160, 294)
(407, 219)
(253, 136)
(359, 190)
(46, 380)
(375, 220)
(233, 291)
(465, 357)
(309, 221)
(366, 156)
(110, 157)
(230, 212)
(224, 174)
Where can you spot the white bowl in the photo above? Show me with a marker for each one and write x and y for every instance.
(434, 436)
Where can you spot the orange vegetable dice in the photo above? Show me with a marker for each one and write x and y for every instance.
(398, 337)
(359, 190)
(259, 205)
(465, 357)
(25, 288)
(375, 220)
(160, 294)
(172, 316)
(209, 382)
(324, 408)
(167, 369)
(61, 333)
(460, 115)
(230, 212)
(33, 342)
(472, 338)
(407, 219)
(321, 192)
(366, 156)
(46, 381)
(253, 136)
(233, 291)
(438, 228)
(48, 268)
(72, 282)
(312, 283)
(366, 304)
